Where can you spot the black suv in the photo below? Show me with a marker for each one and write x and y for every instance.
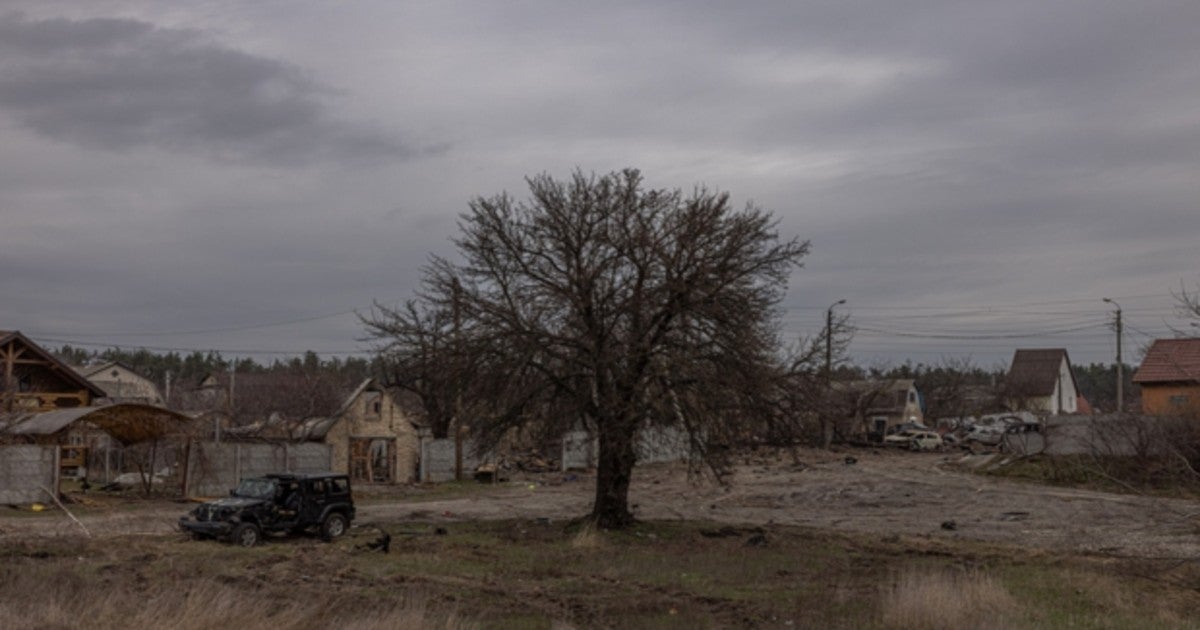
(275, 503)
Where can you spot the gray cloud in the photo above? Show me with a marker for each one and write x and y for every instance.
(118, 84)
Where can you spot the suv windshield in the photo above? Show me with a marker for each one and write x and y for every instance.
(256, 489)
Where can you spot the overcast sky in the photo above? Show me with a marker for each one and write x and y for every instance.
(242, 176)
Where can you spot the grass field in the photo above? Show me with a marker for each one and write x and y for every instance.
(544, 574)
(1127, 475)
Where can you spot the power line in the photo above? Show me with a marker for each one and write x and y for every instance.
(1021, 335)
(854, 306)
(76, 342)
(205, 331)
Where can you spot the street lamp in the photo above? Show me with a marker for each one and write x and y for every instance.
(1120, 363)
(829, 339)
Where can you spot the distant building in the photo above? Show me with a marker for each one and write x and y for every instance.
(881, 404)
(1041, 380)
(1170, 377)
(121, 384)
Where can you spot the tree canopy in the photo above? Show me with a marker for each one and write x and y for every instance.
(600, 302)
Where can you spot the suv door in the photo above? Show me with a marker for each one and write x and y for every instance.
(315, 500)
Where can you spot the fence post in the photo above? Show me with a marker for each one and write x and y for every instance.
(423, 460)
(458, 454)
(187, 468)
(57, 471)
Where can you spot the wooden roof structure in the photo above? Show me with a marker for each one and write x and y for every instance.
(127, 422)
(56, 383)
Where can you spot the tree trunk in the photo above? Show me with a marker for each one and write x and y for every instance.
(614, 470)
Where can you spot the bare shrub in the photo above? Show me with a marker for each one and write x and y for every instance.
(941, 599)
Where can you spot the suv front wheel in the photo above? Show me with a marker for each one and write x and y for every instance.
(334, 526)
(246, 535)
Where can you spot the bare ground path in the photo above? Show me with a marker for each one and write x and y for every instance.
(884, 493)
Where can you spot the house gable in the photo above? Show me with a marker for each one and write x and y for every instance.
(32, 379)
(1042, 379)
(122, 384)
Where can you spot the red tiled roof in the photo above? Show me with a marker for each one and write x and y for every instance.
(1170, 361)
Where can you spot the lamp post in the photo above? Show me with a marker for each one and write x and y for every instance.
(829, 339)
(1120, 363)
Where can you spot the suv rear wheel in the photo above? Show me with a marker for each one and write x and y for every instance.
(334, 526)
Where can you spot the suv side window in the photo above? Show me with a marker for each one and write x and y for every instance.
(338, 486)
(316, 487)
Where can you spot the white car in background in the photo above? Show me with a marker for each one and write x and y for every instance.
(915, 440)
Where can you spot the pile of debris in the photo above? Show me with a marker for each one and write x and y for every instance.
(529, 461)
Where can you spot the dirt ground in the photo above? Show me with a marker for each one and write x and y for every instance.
(883, 493)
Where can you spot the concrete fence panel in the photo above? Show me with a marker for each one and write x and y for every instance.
(24, 470)
(579, 450)
(214, 468)
(438, 457)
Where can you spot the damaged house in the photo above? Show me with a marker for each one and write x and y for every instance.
(373, 439)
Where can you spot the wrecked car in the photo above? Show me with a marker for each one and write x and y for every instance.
(278, 503)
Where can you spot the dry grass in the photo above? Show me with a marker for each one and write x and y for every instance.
(65, 599)
(588, 538)
(540, 574)
(943, 599)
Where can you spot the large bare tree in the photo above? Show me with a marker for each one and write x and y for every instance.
(600, 301)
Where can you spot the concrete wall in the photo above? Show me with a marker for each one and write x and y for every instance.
(213, 469)
(579, 450)
(663, 444)
(23, 470)
(654, 445)
(437, 459)
(1108, 435)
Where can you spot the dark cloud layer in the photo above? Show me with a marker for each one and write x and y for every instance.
(168, 166)
(119, 84)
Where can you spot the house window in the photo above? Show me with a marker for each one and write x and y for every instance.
(372, 402)
(1179, 400)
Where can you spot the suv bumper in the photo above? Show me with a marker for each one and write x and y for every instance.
(206, 528)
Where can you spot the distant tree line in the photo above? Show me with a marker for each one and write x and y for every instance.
(190, 368)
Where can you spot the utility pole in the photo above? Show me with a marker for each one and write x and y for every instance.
(829, 339)
(1120, 362)
(456, 314)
